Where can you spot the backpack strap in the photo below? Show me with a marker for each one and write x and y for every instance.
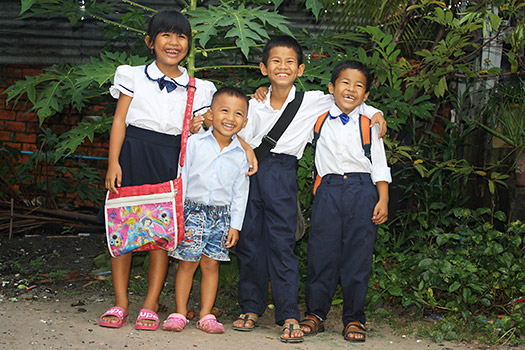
(366, 142)
(270, 140)
(317, 132)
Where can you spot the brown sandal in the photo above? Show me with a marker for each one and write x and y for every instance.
(354, 327)
(314, 325)
(291, 327)
(246, 318)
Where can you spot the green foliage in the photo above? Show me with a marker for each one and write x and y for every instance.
(65, 85)
(73, 138)
(47, 177)
(504, 112)
(463, 265)
(246, 25)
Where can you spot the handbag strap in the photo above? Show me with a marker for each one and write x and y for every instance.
(187, 120)
(270, 140)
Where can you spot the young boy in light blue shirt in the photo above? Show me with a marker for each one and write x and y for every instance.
(215, 188)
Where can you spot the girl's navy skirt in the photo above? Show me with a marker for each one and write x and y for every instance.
(148, 157)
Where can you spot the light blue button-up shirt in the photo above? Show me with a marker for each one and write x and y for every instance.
(214, 177)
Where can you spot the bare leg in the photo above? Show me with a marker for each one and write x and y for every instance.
(209, 284)
(120, 268)
(183, 283)
(158, 266)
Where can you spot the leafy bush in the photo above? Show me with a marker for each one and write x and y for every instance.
(463, 266)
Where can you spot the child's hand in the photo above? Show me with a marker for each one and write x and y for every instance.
(113, 175)
(208, 118)
(260, 93)
(379, 119)
(380, 213)
(253, 163)
(196, 123)
(250, 156)
(233, 238)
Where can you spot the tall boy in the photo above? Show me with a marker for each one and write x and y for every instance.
(266, 243)
(216, 191)
(347, 207)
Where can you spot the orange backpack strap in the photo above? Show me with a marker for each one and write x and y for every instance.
(366, 140)
(317, 131)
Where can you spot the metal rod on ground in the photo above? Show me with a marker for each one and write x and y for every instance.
(11, 219)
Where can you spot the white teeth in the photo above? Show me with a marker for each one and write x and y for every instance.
(227, 125)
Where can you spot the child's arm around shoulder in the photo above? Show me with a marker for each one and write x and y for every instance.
(250, 156)
(376, 117)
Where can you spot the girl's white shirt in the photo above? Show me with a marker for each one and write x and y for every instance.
(155, 109)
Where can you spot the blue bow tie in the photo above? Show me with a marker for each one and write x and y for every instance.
(344, 118)
(163, 82)
(169, 85)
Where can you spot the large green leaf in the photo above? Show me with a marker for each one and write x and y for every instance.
(247, 26)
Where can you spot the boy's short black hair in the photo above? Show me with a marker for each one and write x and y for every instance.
(169, 21)
(352, 65)
(282, 41)
(231, 91)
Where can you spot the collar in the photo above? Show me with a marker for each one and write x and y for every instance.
(208, 134)
(154, 73)
(289, 98)
(335, 111)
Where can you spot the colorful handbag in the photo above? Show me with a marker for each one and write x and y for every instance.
(149, 217)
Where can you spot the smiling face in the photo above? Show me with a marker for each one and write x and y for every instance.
(349, 89)
(170, 49)
(229, 115)
(282, 66)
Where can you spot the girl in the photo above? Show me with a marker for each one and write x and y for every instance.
(145, 143)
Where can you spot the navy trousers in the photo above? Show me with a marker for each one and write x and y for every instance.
(341, 244)
(266, 243)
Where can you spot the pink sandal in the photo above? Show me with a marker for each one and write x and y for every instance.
(116, 311)
(149, 315)
(175, 322)
(209, 324)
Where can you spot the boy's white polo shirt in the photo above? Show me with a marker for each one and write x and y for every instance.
(339, 149)
(155, 109)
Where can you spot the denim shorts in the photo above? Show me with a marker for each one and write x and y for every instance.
(206, 230)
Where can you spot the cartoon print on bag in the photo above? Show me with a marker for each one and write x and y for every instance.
(137, 225)
(153, 231)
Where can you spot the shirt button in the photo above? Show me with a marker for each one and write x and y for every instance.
(345, 177)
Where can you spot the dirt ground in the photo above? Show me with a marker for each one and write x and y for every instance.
(51, 299)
